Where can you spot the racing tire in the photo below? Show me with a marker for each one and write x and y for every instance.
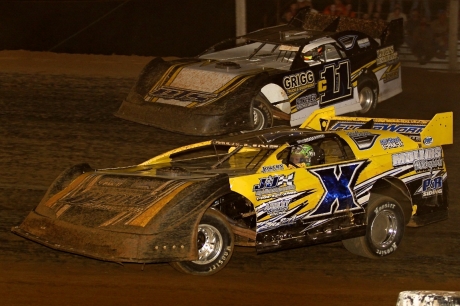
(384, 232)
(262, 116)
(367, 95)
(215, 241)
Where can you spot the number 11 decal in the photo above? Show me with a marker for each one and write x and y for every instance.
(335, 82)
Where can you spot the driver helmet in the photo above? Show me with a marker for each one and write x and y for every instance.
(308, 56)
(302, 154)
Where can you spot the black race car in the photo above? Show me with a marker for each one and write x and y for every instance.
(278, 73)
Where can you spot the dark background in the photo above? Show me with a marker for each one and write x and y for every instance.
(160, 28)
(138, 27)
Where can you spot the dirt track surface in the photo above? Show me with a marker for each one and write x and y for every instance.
(57, 115)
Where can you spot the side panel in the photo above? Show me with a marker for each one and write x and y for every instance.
(299, 206)
(318, 87)
(303, 206)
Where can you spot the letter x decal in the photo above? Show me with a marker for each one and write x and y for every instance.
(338, 182)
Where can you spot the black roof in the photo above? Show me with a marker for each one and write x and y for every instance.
(305, 27)
(286, 34)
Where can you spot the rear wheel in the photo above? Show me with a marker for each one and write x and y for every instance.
(368, 95)
(215, 242)
(385, 229)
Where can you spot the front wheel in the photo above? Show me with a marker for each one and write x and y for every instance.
(215, 242)
(385, 229)
(262, 116)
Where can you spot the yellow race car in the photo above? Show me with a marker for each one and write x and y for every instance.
(358, 180)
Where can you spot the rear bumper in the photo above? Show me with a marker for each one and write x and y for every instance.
(103, 244)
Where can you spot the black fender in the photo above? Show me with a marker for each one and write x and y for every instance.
(149, 75)
(177, 224)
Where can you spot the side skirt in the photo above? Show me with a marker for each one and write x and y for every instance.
(290, 242)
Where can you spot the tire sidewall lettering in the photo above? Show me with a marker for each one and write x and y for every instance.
(384, 206)
(223, 258)
(384, 252)
(394, 207)
(217, 220)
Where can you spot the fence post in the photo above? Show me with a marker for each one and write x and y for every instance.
(453, 35)
(240, 10)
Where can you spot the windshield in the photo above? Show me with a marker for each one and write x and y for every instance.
(255, 51)
(221, 157)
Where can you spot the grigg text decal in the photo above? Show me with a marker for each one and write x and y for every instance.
(299, 81)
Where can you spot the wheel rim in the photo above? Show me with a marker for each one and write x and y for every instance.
(366, 99)
(259, 119)
(384, 228)
(209, 243)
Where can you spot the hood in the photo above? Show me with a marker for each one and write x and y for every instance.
(113, 201)
(196, 84)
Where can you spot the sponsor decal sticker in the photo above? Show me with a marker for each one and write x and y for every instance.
(363, 139)
(386, 55)
(422, 160)
(279, 211)
(182, 94)
(272, 168)
(308, 139)
(391, 143)
(274, 186)
(273, 224)
(430, 187)
(393, 127)
(307, 101)
(427, 141)
(299, 81)
(390, 75)
(275, 208)
(235, 144)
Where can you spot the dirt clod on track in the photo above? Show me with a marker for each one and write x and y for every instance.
(57, 111)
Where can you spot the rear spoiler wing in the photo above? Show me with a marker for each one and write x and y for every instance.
(435, 132)
(389, 33)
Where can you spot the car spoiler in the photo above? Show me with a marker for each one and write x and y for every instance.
(389, 33)
(428, 133)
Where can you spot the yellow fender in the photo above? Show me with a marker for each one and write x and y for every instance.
(313, 121)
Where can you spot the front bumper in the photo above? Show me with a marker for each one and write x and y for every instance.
(203, 121)
(106, 245)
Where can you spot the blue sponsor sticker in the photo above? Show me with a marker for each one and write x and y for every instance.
(427, 141)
